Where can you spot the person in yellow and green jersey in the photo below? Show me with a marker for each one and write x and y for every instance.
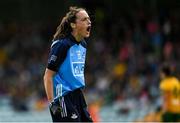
(170, 89)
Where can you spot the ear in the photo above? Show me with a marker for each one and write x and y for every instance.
(73, 25)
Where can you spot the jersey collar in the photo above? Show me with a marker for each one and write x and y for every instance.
(72, 38)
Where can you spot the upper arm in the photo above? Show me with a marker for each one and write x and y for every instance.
(48, 74)
(57, 55)
(166, 94)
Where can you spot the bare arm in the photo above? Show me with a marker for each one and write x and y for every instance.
(48, 84)
(166, 97)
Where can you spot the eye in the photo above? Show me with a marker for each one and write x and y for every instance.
(85, 19)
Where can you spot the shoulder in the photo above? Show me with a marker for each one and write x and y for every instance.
(176, 82)
(60, 43)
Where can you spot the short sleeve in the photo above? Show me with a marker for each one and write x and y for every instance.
(57, 55)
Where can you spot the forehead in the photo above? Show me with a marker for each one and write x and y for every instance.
(82, 14)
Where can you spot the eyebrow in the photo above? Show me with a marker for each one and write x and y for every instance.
(84, 18)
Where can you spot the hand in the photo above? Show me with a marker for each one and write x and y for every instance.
(55, 107)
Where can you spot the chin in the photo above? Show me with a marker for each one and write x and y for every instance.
(87, 36)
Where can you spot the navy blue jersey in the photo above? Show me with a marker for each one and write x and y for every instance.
(67, 58)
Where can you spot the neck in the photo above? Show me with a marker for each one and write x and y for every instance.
(77, 37)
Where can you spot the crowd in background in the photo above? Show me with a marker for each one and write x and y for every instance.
(124, 55)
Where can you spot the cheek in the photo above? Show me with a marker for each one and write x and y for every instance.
(81, 28)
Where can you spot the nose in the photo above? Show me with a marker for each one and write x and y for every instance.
(89, 21)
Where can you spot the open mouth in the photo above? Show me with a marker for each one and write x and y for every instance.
(89, 28)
